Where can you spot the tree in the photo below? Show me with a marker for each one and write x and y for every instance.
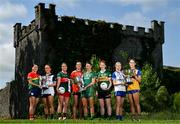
(149, 86)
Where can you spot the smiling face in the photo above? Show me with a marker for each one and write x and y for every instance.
(78, 65)
(64, 67)
(47, 69)
(102, 66)
(88, 66)
(118, 66)
(35, 68)
(132, 64)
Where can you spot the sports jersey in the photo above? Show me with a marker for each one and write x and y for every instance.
(102, 79)
(118, 76)
(87, 78)
(34, 77)
(74, 74)
(135, 84)
(64, 81)
(46, 80)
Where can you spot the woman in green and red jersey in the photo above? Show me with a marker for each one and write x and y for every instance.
(63, 90)
(34, 90)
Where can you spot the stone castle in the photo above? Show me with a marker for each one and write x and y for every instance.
(53, 39)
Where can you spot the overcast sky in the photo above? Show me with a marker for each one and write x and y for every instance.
(129, 12)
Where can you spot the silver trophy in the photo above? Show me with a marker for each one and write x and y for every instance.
(79, 80)
(44, 84)
(129, 74)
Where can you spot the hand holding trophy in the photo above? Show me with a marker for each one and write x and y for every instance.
(79, 80)
(44, 84)
(128, 74)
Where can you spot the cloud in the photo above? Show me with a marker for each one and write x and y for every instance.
(6, 33)
(135, 19)
(12, 10)
(145, 5)
(7, 60)
(173, 15)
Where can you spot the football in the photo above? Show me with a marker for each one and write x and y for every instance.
(103, 86)
(61, 90)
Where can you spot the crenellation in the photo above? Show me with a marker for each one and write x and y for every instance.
(128, 29)
(140, 30)
(52, 9)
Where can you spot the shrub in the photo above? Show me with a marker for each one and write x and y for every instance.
(162, 97)
(176, 102)
(149, 86)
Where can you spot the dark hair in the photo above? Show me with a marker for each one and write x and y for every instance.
(102, 61)
(88, 63)
(48, 65)
(131, 59)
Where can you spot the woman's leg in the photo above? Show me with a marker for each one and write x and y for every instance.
(46, 111)
(136, 102)
(108, 105)
(51, 105)
(32, 104)
(65, 107)
(60, 104)
(75, 105)
(131, 101)
(121, 107)
(102, 110)
(91, 104)
(85, 106)
(118, 102)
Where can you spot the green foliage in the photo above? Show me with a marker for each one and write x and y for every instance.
(162, 97)
(176, 102)
(149, 86)
(95, 63)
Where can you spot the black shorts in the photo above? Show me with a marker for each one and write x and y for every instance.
(77, 93)
(104, 95)
(36, 92)
(45, 95)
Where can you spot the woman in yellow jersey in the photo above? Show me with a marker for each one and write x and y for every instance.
(133, 90)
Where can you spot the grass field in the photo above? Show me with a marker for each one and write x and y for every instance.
(90, 121)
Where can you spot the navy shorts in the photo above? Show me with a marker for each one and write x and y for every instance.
(120, 93)
(36, 92)
(104, 95)
(132, 91)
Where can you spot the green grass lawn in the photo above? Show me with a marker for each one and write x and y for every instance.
(90, 121)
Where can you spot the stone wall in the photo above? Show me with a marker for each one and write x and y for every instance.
(5, 102)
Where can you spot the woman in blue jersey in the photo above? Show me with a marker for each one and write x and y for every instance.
(119, 89)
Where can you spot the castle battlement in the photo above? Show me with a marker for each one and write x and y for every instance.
(42, 14)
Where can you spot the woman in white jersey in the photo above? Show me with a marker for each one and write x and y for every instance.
(48, 82)
(119, 89)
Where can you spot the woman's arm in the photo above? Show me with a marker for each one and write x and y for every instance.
(58, 84)
(110, 83)
(92, 83)
(30, 82)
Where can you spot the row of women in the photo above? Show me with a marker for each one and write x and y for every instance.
(84, 86)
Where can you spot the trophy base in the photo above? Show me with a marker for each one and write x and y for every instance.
(129, 83)
(81, 89)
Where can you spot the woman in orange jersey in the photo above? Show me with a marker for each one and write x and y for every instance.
(76, 76)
